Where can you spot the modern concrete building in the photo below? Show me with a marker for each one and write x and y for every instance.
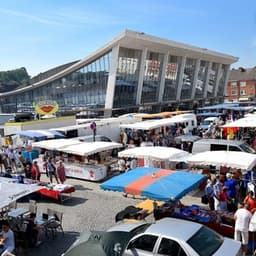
(134, 71)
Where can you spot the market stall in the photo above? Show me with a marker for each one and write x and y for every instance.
(230, 159)
(11, 191)
(40, 134)
(150, 156)
(155, 183)
(57, 191)
(84, 160)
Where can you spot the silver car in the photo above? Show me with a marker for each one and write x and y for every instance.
(175, 237)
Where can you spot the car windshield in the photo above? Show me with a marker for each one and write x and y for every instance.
(206, 241)
(246, 148)
(206, 122)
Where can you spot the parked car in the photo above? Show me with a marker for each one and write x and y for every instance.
(170, 236)
(167, 236)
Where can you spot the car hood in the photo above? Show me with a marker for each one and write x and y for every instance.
(229, 247)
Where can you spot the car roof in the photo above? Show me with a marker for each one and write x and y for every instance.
(177, 228)
(167, 227)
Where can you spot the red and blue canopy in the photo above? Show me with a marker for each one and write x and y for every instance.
(155, 183)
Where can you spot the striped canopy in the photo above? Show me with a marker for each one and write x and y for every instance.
(40, 134)
(155, 183)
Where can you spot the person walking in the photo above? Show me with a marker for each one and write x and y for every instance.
(51, 170)
(35, 172)
(223, 199)
(61, 172)
(242, 220)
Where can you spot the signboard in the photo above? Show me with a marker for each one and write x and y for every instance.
(46, 107)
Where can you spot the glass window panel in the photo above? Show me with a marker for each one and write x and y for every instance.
(127, 77)
(152, 77)
(201, 79)
(172, 78)
(188, 78)
(212, 80)
(223, 76)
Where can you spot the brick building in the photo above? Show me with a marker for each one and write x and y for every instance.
(241, 85)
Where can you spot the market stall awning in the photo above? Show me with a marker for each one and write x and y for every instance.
(157, 123)
(243, 122)
(55, 144)
(155, 183)
(40, 134)
(90, 148)
(156, 153)
(11, 191)
(232, 159)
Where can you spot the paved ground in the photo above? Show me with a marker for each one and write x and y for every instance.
(90, 208)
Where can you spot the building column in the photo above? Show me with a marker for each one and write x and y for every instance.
(162, 81)
(141, 75)
(181, 75)
(207, 80)
(111, 82)
(195, 79)
(217, 80)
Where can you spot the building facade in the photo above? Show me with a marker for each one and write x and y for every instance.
(241, 85)
(134, 71)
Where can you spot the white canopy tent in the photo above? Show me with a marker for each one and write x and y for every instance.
(10, 191)
(232, 159)
(90, 148)
(155, 153)
(153, 124)
(242, 123)
(55, 144)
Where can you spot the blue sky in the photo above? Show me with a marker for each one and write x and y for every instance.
(42, 34)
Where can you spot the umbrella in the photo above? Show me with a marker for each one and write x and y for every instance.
(155, 183)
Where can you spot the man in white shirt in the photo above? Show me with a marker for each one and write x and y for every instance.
(7, 238)
(242, 220)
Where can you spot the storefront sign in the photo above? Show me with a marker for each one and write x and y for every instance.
(46, 107)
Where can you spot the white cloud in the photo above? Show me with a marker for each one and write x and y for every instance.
(43, 20)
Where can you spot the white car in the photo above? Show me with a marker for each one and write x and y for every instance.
(176, 237)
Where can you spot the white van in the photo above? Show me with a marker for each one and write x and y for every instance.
(223, 145)
(208, 121)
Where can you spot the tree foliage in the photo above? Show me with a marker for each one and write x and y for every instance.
(12, 79)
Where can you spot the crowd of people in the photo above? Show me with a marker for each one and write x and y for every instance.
(12, 162)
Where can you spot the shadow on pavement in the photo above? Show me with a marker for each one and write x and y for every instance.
(51, 246)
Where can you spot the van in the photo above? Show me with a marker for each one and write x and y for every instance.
(221, 145)
(208, 121)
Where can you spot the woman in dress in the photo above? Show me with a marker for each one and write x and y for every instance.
(61, 172)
